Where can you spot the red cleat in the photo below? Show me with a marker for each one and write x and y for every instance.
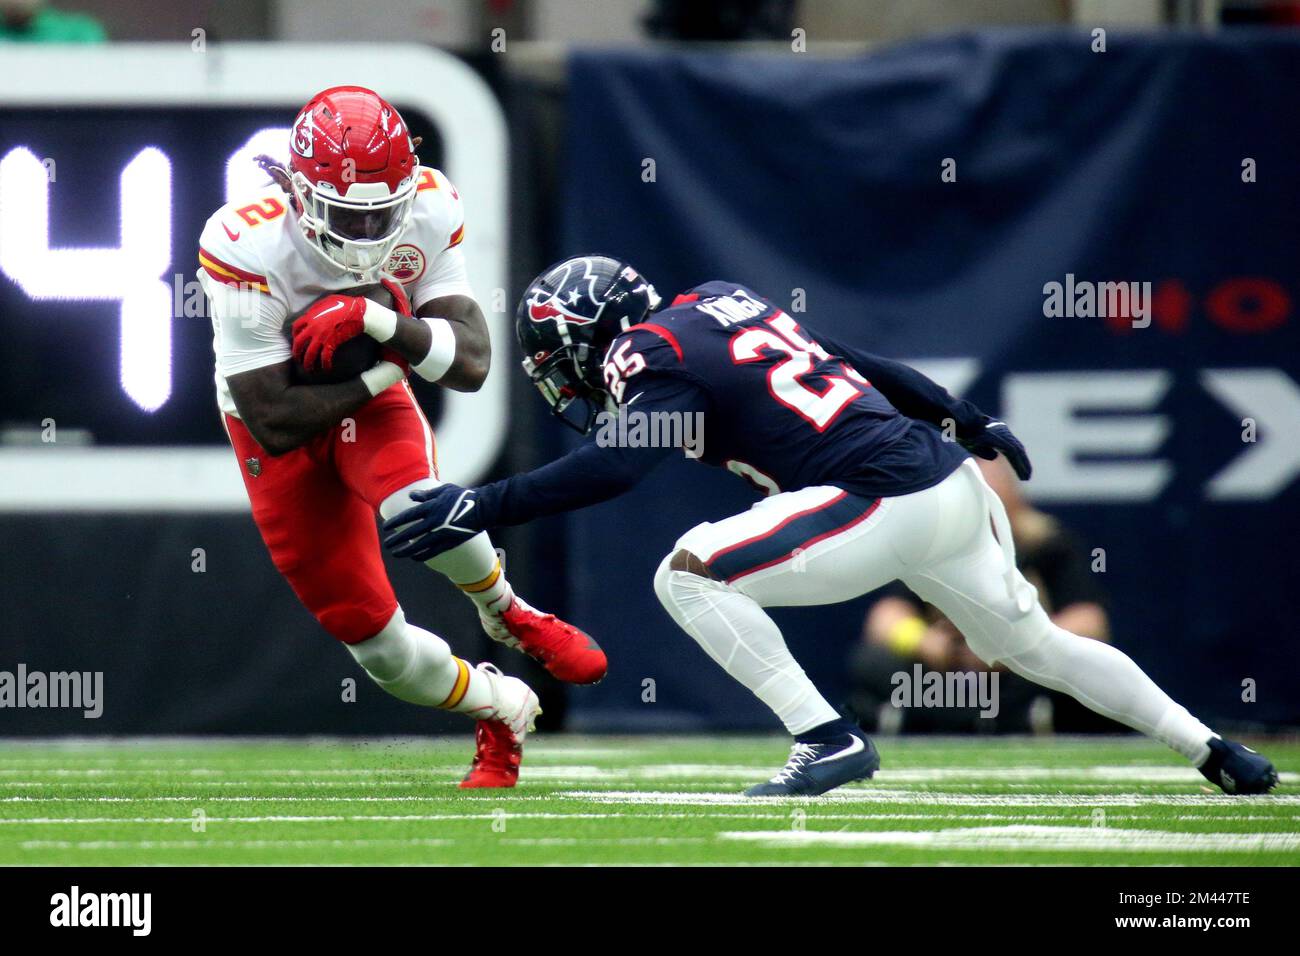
(500, 738)
(496, 759)
(567, 653)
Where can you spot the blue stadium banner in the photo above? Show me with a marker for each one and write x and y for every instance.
(1101, 247)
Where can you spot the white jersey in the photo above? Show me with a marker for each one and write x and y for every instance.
(259, 271)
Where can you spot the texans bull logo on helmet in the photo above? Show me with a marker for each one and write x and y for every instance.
(548, 304)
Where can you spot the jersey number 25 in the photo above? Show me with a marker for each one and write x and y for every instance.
(621, 366)
(785, 379)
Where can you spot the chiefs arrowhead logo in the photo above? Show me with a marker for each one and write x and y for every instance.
(303, 139)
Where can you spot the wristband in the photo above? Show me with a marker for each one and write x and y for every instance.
(442, 350)
(380, 376)
(905, 636)
(379, 322)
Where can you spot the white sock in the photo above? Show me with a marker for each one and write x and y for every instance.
(1105, 679)
(418, 667)
(475, 568)
(738, 634)
(472, 566)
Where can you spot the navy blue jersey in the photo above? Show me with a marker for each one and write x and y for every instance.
(778, 404)
(784, 411)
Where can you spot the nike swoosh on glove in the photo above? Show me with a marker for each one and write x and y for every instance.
(327, 324)
(996, 437)
(445, 517)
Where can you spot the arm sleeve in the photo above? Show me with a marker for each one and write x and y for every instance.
(908, 390)
(248, 327)
(596, 471)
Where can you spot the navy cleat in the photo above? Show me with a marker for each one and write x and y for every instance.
(814, 768)
(1238, 769)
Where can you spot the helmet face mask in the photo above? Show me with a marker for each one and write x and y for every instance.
(560, 378)
(565, 324)
(355, 235)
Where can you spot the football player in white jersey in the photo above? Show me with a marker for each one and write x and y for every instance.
(354, 208)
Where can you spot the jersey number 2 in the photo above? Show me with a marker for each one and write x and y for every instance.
(785, 380)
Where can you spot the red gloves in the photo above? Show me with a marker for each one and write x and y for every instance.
(326, 325)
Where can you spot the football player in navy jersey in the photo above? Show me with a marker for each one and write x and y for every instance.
(866, 469)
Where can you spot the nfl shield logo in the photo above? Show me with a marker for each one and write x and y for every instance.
(254, 466)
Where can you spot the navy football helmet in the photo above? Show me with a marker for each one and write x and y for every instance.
(565, 323)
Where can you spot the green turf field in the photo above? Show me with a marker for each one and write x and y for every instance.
(643, 800)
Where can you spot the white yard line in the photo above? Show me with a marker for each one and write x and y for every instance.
(924, 798)
(343, 843)
(1024, 837)
(664, 797)
(223, 844)
(528, 815)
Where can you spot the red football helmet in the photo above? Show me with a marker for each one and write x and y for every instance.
(353, 168)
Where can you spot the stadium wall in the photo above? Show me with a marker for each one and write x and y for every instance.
(920, 201)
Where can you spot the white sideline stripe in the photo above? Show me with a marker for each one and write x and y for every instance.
(526, 815)
(224, 844)
(359, 842)
(1026, 837)
(843, 796)
(607, 841)
(847, 795)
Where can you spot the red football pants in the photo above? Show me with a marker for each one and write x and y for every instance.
(315, 507)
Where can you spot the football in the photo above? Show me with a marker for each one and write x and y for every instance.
(352, 357)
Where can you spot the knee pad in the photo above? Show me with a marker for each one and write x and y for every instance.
(386, 654)
(389, 654)
(409, 662)
(1015, 632)
(995, 628)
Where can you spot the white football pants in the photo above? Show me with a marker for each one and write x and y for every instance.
(822, 545)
